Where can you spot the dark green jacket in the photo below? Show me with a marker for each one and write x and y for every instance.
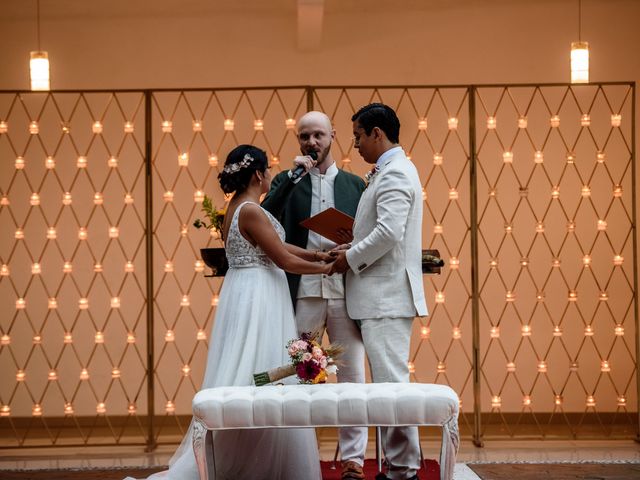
(290, 203)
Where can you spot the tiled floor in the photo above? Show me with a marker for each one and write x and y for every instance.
(533, 451)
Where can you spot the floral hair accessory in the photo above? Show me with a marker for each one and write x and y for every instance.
(309, 361)
(234, 167)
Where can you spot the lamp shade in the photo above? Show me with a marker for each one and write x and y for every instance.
(39, 67)
(579, 62)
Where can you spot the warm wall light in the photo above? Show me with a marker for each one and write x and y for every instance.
(452, 123)
(213, 160)
(579, 54)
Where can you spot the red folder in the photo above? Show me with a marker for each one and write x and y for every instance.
(328, 222)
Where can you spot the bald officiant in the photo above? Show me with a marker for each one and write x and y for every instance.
(314, 184)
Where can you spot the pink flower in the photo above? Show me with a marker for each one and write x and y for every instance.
(297, 346)
(306, 356)
(317, 353)
(323, 362)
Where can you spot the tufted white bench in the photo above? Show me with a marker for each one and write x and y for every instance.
(325, 405)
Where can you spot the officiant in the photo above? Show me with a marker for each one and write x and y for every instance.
(313, 185)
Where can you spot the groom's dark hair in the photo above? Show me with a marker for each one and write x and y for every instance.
(381, 116)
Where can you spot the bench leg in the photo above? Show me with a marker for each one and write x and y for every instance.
(202, 442)
(449, 448)
(379, 449)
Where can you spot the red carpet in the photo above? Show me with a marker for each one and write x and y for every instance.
(430, 470)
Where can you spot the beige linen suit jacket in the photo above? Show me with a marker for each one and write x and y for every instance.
(385, 279)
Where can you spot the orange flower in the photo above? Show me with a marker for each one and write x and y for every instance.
(321, 377)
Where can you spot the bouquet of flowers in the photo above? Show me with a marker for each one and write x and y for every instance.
(309, 361)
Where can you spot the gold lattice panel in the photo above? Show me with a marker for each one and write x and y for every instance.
(73, 262)
(556, 260)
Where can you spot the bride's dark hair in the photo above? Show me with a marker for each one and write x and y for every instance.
(238, 169)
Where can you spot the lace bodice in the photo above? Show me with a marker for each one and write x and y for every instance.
(240, 253)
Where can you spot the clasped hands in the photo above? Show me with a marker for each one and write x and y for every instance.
(337, 257)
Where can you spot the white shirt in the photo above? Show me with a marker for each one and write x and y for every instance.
(322, 197)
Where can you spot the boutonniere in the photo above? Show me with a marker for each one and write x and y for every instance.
(370, 174)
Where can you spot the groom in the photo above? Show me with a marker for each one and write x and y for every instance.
(384, 289)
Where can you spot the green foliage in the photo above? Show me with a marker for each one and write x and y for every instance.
(214, 216)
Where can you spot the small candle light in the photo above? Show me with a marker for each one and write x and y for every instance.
(524, 262)
(128, 199)
(522, 121)
(275, 160)
(201, 335)
(84, 374)
(19, 164)
(34, 128)
(36, 410)
(129, 267)
(112, 162)
(68, 408)
(617, 191)
(169, 336)
(591, 401)
(555, 192)
(540, 227)
(557, 331)
(52, 303)
(128, 127)
(66, 199)
(424, 194)
(496, 401)
(4, 126)
(258, 125)
(508, 228)
(198, 196)
(494, 332)
(81, 162)
(101, 408)
(554, 121)
(622, 401)
(67, 338)
(131, 408)
(523, 192)
(131, 337)
(454, 263)
(618, 260)
(573, 366)
(115, 302)
(542, 366)
(411, 367)
(585, 120)
(452, 123)
(557, 399)
(51, 233)
(602, 225)
(20, 376)
(97, 268)
(168, 196)
(184, 231)
(5, 271)
(34, 200)
(5, 411)
(37, 339)
(196, 125)
(213, 160)
(616, 120)
(67, 267)
(36, 269)
(99, 337)
(603, 297)
(526, 400)
(83, 303)
(600, 156)
(525, 330)
(538, 157)
(290, 123)
(571, 158)
(52, 376)
(21, 303)
(510, 296)
(422, 124)
(114, 232)
(586, 261)
(437, 158)
(588, 331)
(167, 126)
(82, 233)
(604, 366)
(50, 162)
(573, 296)
(97, 127)
(571, 227)
(5, 340)
(168, 266)
(492, 123)
(170, 407)
(438, 229)
(453, 193)
(229, 125)
(439, 297)
(585, 191)
(492, 192)
(186, 370)
(619, 330)
(4, 201)
(98, 199)
(198, 266)
(456, 333)
(441, 368)
(507, 157)
(115, 372)
(493, 263)
(183, 159)
(425, 332)
(555, 263)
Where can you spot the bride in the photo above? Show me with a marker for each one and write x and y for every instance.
(253, 322)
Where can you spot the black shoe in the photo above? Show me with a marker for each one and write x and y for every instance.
(382, 476)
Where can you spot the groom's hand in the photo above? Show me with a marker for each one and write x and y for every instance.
(340, 264)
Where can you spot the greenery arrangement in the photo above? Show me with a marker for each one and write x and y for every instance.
(214, 216)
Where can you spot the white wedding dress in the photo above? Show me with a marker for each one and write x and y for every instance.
(253, 322)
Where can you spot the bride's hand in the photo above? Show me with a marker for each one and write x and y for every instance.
(325, 257)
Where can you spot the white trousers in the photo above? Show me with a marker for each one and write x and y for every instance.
(386, 342)
(316, 314)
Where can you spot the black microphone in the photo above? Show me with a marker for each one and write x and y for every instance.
(299, 170)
